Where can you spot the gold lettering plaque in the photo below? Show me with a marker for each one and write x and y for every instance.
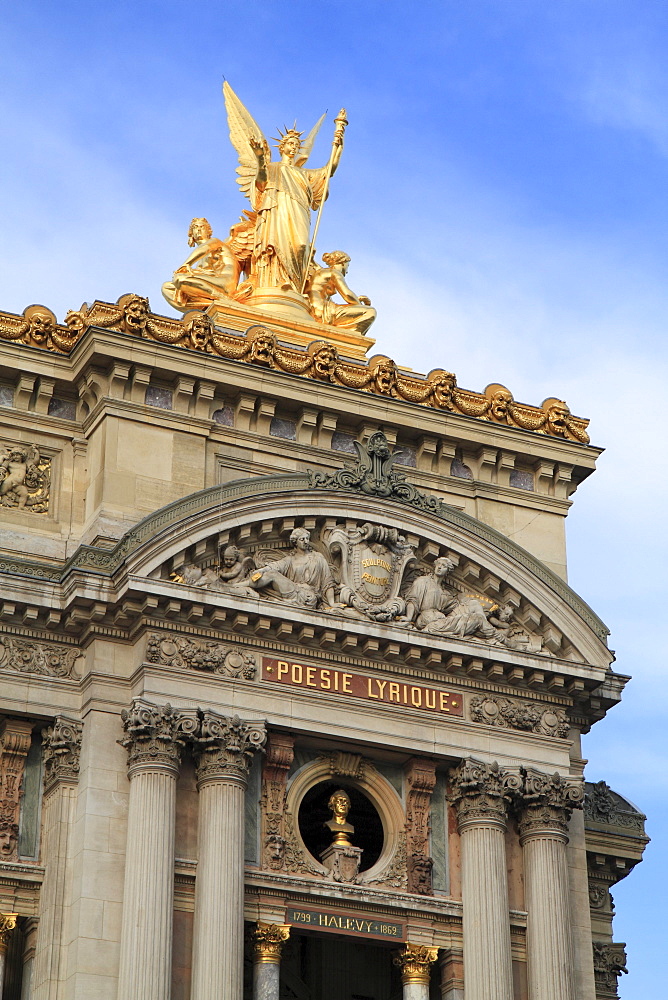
(344, 923)
(332, 681)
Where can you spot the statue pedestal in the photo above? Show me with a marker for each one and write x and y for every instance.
(286, 315)
(343, 861)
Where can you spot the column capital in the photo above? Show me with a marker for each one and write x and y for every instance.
(479, 792)
(268, 941)
(7, 925)
(224, 747)
(545, 802)
(61, 750)
(415, 960)
(155, 735)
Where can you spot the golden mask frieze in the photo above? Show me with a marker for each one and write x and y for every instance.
(320, 361)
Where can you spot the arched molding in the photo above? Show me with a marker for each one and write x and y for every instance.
(175, 527)
(379, 792)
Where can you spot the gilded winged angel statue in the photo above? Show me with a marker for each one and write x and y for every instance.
(267, 261)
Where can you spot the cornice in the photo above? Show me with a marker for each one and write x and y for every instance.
(91, 559)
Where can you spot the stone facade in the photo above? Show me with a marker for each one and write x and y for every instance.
(242, 574)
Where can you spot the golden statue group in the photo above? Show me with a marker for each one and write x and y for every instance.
(268, 261)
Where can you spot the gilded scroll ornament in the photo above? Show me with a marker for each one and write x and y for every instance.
(25, 478)
(268, 941)
(415, 961)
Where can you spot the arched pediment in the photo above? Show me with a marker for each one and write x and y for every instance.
(370, 550)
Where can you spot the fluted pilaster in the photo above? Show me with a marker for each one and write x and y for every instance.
(154, 738)
(478, 793)
(224, 748)
(545, 804)
(61, 749)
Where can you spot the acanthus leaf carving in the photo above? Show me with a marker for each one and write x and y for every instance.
(176, 650)
(61, 750)
(31, 657)
(396, 874)
(225, 746)
(278, 759)
(609, 965)
(480, 792)
(15, 738)
(155, 735)
(421, 781)
(545, 801)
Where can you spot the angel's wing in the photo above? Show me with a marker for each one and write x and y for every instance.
(242, 126)
(32, 457)
(307, 144)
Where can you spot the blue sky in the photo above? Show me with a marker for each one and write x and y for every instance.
(503, 197)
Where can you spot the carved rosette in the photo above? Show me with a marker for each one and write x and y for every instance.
(479, 792)
(546, 802)
(7, 925)
(224, 747)
(61, 750)
(15, 736)
(279, 756)
(415, 961)
(268, 941)
(155, 736)
(421, 779)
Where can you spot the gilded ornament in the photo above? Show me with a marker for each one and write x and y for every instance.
(414, 961)
(268, 941)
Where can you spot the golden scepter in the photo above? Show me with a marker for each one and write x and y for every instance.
(340, 121)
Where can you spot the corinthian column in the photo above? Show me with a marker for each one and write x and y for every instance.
(224, 748)
(415, 961)
(478, 793)
(268, 941)
(546, 803)
(154, 738)
(61, 749)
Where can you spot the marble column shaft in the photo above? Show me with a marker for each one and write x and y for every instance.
(478, 793)
(224, 747)
(415, 961)
(154, 747)
(268, 944)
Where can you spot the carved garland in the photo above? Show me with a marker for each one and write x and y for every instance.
(28, 657)
(175, 650)
(131, 315)
(508, 714)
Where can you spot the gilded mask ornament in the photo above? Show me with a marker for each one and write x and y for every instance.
(324, 361)
(442, 387)
(42, 324)
(198, 329)
(135, 310)
(384, 377)
(263, 346)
